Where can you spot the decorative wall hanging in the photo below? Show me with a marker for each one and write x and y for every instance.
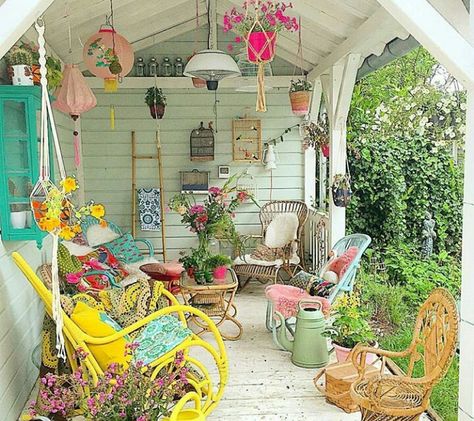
(108, 55)
(246, 140)
(258, 28)
(74, 97)
(156, 100)
(195, 181)
(201, 143)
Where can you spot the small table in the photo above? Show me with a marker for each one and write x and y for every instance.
(215, 300)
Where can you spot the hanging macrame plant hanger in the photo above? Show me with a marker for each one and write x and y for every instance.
(259, 51)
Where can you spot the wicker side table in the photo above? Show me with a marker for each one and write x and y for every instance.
(215, 300)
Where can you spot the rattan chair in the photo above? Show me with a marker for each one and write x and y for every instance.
(405, 397)
(265, 273)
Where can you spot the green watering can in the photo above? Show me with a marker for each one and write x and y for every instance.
(309, 346)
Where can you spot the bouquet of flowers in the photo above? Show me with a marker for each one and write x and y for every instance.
(122, 393)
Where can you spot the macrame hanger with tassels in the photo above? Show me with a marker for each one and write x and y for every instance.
(269, 42)
(45, 187)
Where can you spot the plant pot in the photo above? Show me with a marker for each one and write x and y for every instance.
(219, 273)
(200, 277)
(18, 219)
(325, 150)
(341, 196)
(300, 102)
(342, 353)
(21, 75)
(199, 83)
(261, 46)
(157, 111)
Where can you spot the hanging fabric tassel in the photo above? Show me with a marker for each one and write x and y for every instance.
(77, 144)
(261, 101)
(112, 117)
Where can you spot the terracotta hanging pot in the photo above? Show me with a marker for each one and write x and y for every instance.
(199, 83)
(300, 102)
(157, 111)
(325, 150)
(261, 46)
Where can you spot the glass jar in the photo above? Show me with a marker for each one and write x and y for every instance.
(178, 67)
(140, 67)
(153, 67)
(166, 68)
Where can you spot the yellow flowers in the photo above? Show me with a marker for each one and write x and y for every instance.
(49, 224)
(69, 184)
(67, 233)
(97, 211)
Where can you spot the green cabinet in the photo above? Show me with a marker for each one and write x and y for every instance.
(20, 108)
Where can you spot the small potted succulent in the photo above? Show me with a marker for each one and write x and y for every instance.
(300, 96)
(19, 61)
(341, 190)
(156, 100)
(349, 327)
(219, 264)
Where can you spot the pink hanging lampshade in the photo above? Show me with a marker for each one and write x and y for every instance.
(74, 97)
(108, 55)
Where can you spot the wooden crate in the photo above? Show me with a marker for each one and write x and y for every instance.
(247, 140)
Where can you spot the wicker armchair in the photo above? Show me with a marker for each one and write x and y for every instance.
(405, 398)
(265, 273)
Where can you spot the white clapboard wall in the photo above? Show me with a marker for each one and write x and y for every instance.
(107, 153)
(21, 312)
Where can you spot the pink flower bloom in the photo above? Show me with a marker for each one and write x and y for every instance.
(238, 19)
(238, 39)
(195, 209)
(215, 191)
(230, 48)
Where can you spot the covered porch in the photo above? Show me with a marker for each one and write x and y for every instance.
(340, 43)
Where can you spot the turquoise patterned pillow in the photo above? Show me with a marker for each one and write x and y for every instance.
(104, 317)
(159, 337)
(124, 249)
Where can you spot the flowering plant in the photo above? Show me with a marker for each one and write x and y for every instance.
(349, 326)
(301, 85)
(122, 393)
(271, 15)
(55, 213)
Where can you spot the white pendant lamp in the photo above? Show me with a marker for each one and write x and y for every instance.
(212, 66)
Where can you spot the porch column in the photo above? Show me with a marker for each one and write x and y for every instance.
(310, 153)
(338, 86)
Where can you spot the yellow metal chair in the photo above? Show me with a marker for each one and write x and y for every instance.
(205, 392)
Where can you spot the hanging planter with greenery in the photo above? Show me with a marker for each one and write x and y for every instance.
(341, 190)
(156, 100)
(300, 96)
(316, 135)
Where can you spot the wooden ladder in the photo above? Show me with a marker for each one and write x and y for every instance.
(158, 157)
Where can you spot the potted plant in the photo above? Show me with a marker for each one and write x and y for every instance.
(19, 61)
(316, 135)
(156, 100)
(349, 327)
(260, 36)
(219, 264)
(300, 96)
(196, 265)
(341, 190)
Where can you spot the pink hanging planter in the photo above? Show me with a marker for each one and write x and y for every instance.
(325, 150)
(261, 46)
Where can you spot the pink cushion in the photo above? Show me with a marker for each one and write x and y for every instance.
(285, 299)
(342, 263)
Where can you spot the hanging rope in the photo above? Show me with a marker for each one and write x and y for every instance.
(299, 54)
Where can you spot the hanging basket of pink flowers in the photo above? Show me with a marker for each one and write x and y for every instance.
(258, 25)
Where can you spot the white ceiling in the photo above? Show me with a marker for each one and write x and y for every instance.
(329, 27)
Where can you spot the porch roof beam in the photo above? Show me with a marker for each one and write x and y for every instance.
(16, 16)
(436, 34)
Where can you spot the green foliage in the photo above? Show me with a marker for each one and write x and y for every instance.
(18, 55)
(155, 95)
(218, 260)
(349, 323)
(402, 131)
(299, 85)
(419, 277)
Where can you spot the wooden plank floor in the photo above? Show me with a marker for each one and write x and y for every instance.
(263, 383)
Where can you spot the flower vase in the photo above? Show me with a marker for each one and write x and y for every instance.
(261, 46)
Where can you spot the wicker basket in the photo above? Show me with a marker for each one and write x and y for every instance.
(339, 378)
(300, 102)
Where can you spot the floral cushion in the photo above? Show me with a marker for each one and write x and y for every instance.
(159, 337)
(124, 249)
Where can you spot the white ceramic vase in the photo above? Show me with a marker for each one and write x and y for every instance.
(18, 219)
(22, 75)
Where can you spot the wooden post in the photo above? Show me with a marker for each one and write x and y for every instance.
(134, 184)
(162, 195)
(338, 86)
